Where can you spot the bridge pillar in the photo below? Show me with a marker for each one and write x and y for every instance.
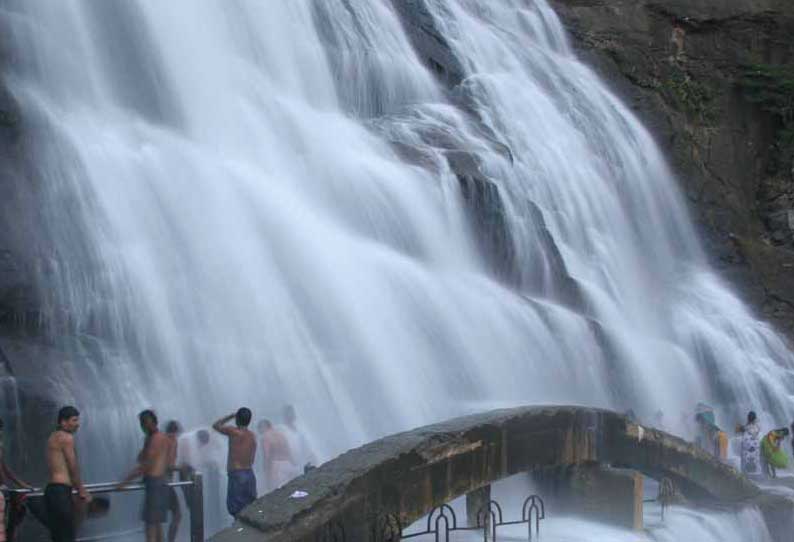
(475, 501)
(596, 492)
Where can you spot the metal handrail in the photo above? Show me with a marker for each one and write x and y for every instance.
(195, 499)
(106, 487)
(110, 536)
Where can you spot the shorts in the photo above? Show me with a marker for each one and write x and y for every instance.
(173, 501)
(241, 491)
(60, 512)
(156, 500)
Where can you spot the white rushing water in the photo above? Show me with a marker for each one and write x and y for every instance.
(680, 524)
(237, 222)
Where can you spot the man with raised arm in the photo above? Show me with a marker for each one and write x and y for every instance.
(64, 476)
(153, 466)
(242, 450)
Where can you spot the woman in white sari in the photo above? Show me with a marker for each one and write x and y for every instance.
(751, 448)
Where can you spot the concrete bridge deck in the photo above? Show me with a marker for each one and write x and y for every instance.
(410, 473)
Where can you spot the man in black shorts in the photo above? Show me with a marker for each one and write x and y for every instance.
(98, 507)
(172, 431)
(153, 466)
(64, 475)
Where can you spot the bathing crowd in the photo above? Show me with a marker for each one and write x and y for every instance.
(759, 455)
(762, 455)
(165, 456)
(283, 453)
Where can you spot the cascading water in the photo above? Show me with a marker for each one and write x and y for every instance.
(258, 202)
(680, 524)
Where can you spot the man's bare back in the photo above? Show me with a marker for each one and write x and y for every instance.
(242, 444)
(276, 446)
(242, 449)
(57, 446)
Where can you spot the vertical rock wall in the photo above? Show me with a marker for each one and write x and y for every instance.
(679, 64)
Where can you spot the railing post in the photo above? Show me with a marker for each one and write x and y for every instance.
(8, 504)
(197, 508)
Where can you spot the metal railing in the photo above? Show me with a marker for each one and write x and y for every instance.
(443, 520)
(666, 495)
(194, 498)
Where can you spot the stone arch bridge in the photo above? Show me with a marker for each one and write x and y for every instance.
(410, 473)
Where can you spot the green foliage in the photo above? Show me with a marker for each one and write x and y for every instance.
(690, 96)
(771, 86)
(7, 118)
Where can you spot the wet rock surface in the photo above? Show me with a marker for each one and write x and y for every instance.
(18, 223)
(678, 64)
(429, 42)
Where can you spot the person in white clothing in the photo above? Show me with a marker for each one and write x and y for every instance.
(751, 447)
(279, 465)
(200, 452)
(301, 452)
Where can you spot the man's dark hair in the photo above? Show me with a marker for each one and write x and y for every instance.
(147, 415)
(173, 427)
(243, 417)
(751, 417)
(67, 412)
(203, 436)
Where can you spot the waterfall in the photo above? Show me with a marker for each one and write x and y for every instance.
(279, 202)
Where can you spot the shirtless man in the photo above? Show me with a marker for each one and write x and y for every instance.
(153, 466)
(242, 450)
(64, 476)
(280, 467)
(172, 431)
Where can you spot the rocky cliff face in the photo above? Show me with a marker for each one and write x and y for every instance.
(27, 352)
(688, 68)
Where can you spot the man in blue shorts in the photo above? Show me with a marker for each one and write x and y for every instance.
(242, 449)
